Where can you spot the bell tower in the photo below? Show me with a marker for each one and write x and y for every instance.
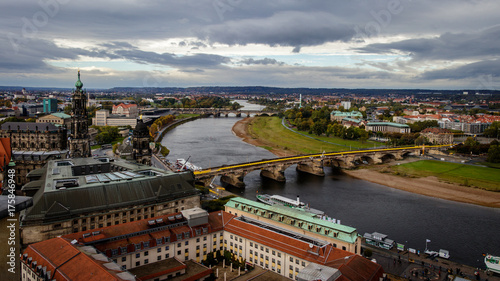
(140, 143)
(79, 141)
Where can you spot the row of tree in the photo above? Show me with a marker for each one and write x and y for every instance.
(159, 123)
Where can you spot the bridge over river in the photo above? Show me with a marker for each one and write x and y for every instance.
(218, 112)
(309, 163)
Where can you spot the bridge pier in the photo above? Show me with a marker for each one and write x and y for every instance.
(276, 173)
(314, 167)
(206, 181)
(235, 179)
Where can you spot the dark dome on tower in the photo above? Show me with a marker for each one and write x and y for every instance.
(141, 129)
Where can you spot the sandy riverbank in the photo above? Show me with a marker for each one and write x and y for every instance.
(429, 186)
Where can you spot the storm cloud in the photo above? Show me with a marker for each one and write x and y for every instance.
(359, 43)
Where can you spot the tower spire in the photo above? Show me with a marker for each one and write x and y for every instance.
(78, 83)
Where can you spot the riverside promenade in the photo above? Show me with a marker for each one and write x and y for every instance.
(403, 265)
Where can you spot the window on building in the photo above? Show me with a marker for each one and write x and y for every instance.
(158, 258)
(124, 259)
(291, 259)
(146, 244)
(251, 244)
(197, 240)
(303, 263)
(146, 261)
(179, 253)
(297, 261)
(159, 241)
(167, 248)
(137, 263)
(279, 255)
(167, 256)
(158, 250)
(187, 243)
(344, 248)
(138, 255)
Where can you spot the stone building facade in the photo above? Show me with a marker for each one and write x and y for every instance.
(82, 194)
(33, 144)
(438, 135)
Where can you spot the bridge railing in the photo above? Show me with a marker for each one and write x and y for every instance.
(315, 155)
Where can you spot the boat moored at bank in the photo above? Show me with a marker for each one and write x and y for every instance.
(287, 202)
(492, 263)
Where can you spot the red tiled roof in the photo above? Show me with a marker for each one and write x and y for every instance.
(215, 223)
(66, 262)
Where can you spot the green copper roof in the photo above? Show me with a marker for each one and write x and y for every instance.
(78, 83)
(295, 217)
(61, 115)
(347, 114)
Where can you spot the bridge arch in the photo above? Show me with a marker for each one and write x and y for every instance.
(387, 157)
(366, 160)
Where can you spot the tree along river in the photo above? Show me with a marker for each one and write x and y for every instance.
(465, 230)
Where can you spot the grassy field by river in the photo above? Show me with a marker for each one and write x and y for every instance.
(273, 135)
(468, 175)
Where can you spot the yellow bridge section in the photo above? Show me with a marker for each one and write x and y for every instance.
(313, 156)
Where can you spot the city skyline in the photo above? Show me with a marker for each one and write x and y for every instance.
(356, 44)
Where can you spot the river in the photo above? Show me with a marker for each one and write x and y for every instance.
(465, 230)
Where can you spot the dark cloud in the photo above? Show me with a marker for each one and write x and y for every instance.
(471, 70)
(449, 46)
(204, 60)
(290, 28)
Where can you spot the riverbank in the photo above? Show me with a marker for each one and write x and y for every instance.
(429, 186)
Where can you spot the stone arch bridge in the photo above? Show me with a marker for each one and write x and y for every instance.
(311, 163)
(221, 112)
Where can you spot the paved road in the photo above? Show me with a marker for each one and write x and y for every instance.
(415, 267)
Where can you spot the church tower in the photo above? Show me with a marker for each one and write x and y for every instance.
(79, 141)
(140, 143)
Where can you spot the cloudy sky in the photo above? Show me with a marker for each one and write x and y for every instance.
(445, 44)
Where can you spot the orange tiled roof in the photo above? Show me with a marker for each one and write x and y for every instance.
(66, 262)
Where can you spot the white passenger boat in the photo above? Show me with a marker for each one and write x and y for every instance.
(183, 165)
(287, 202)
(492, 263)
(379, 240)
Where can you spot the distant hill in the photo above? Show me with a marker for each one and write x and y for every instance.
(257, 90)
